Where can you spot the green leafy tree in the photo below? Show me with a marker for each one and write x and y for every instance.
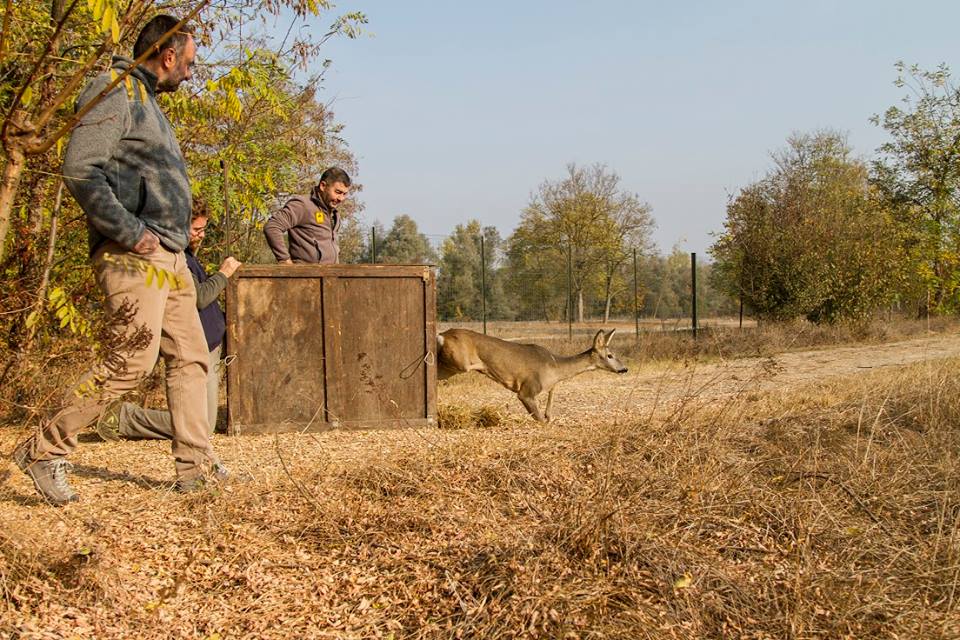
(372, 247)
(918, 175)
(535, 273)
(668, 285)
(404, 244)
(713, 302)
(628, 227)
(458, 281)
(467, 285)
(352, 240)
(500, 305)
(810, 239)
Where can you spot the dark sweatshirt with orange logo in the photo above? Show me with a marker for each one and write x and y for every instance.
(311, 227)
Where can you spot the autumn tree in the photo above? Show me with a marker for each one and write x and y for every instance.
(629, 224)
(535, 274)
(373, 243)
(918, 175)
(250, 96)
(665, 286)
(352, 240)
(585, 218)
(48, 50)
(811, 238)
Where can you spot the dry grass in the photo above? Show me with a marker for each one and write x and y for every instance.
(456, 416)
(824, 511)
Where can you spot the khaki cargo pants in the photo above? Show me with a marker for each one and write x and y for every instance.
(161, 288)
(137, 423)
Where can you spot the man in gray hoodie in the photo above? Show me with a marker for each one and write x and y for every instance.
(125, 168)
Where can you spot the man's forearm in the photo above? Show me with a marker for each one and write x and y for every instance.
(208, 290)
(274, 232)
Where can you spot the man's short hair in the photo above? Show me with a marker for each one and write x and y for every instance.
(335, 174)
(200, 208)
(154, 30)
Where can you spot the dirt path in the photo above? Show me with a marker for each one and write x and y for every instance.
(600, 393)
(124, 472)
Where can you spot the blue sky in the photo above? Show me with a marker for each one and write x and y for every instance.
(460, 110)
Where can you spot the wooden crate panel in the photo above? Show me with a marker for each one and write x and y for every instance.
(280, 365)
(323, 346)
(377, 373)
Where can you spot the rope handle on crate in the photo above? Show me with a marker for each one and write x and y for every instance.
(427, 358)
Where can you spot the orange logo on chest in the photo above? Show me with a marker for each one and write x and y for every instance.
(319, 217)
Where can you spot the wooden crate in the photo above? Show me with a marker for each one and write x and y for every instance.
(314, 347)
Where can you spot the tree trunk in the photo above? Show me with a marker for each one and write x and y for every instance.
(580, 306)
(47, 265)
(9, 184)
(656, 307)
(608, 298)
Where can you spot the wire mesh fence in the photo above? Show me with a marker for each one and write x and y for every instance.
(496, 285)
(488, 284)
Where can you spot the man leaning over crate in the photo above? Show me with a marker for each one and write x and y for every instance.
(130, 421)
(310, 222)
(125, 168)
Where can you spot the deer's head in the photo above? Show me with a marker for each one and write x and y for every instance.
(602, 357)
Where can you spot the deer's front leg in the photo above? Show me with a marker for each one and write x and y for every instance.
(546, 411)
(530, 402)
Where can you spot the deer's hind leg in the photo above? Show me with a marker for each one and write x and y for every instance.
(531, 405)
(528, 397)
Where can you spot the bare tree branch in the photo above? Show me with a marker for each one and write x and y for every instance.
(51, 43)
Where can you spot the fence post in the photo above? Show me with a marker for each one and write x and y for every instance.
(636, 296)
(226, 208)
(483, 284)
(373, 244)
(693, 289)
(569, 292)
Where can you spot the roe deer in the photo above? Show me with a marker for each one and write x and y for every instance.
(526, 369)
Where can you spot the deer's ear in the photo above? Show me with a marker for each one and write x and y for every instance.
(598, 341)
(610, 336)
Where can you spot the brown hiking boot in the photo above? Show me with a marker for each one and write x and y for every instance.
(218, 475)
(49, 476)
(108, 424)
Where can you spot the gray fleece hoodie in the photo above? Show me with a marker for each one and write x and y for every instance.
(124, 166)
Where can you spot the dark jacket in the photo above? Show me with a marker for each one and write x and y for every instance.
(208, 288)
(312, 228)
(124, 166)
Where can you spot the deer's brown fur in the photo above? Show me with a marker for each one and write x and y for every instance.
(526, 369)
